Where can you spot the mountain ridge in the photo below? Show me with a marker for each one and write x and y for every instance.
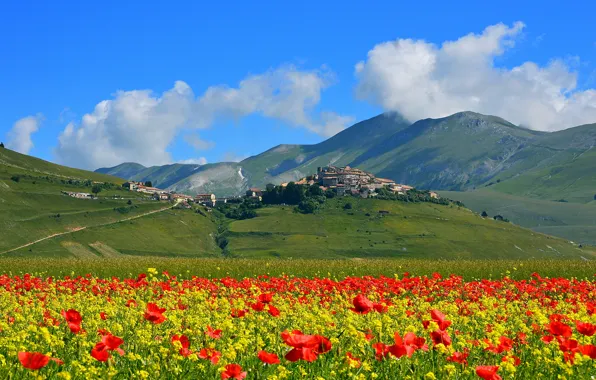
(457, 152)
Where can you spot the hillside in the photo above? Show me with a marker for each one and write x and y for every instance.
(32, 207)
(412, 230)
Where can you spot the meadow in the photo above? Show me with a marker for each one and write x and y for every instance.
(238, 322)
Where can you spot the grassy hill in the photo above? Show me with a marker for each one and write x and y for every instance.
(32, 207)
(573, 221)
(410, 230)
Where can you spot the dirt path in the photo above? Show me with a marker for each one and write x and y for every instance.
(85, 227)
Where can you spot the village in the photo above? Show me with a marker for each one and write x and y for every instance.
(343, 181)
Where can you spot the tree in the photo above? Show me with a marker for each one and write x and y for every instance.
(148, 184)
(96, 189)
(129, 202)
(1, 145)
(595, 197)
(484, 214)
(348, 206)
(15, 178)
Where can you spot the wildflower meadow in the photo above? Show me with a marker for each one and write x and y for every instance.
(159, 326)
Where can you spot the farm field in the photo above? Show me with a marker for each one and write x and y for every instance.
(244, 324)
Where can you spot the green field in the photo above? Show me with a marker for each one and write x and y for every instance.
(573, 221)
(410, 230)
(242, 268)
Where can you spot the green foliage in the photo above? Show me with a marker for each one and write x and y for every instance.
(348, 206)
(484, 214)
(240, 211)
(1, 145)
(15, 178)
(96, 189)
(148, 184)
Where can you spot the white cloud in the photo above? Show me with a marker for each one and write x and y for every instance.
(419, 80)
(198, 143)
(139, 126)
(285, 94)
(194, 161)
(19, 137)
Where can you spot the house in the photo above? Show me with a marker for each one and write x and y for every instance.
(221, 200)
(78, 195)
(329, 180)
(161, 196)
(206, 199)
(149, 190)
(255, 193)
(434, 195)
(340, 190)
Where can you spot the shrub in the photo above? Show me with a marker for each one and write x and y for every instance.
(15, 178)
(348, 206)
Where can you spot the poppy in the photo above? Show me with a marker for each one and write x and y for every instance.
(362, 305)
(213, 334)
(559, 329)
(488, 372)
(100, 353)
(440, 319)
(268, 357)
(238, 313)
(381, 350)
(588, 350)
(184, 342)
(74, 319)
(233, 371)
(103, 316)
(33, 360)
(265, 297)
(210, 354)
(440, 337)
(154, 313)
(305, 347)
(273, 311)
(259, 306)
(585, 328)
(458, 357)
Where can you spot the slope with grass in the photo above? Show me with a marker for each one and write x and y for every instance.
(573, 221)
(410, 230)
(171, 233)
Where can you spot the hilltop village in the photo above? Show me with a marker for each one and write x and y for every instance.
(342, 181)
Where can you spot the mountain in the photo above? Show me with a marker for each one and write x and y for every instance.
(463, 151)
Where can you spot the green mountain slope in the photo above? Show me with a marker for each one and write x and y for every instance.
(409, 230)
(573, 221)
(460, 152)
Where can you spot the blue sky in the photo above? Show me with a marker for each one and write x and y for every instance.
(299, 63)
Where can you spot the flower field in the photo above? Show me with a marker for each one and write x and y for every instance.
(157, 325)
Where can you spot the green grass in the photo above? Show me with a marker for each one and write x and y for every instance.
(422, 230)
(241, 268)
(179, 233)
(573, 221)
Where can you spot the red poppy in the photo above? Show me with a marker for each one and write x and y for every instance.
(210, 354)
(268, 357)
(585, 328)
(440, 337)
(305, 347)
(559, 329)
(108, 343)
(74, 319)
(380, 307)
(238, 313)
(33, 360)
(458, 357)
(259, 306)
(488, 372)
(362, 305)
(265, 297)
(100, 353)
(154, 313)
(440, 319)
(184, 342)
(213, 334)
(103, 315)
(131, 303)
(588, 350)
(381, 350)
(233, 371)
(273, 311)
(516, 360)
